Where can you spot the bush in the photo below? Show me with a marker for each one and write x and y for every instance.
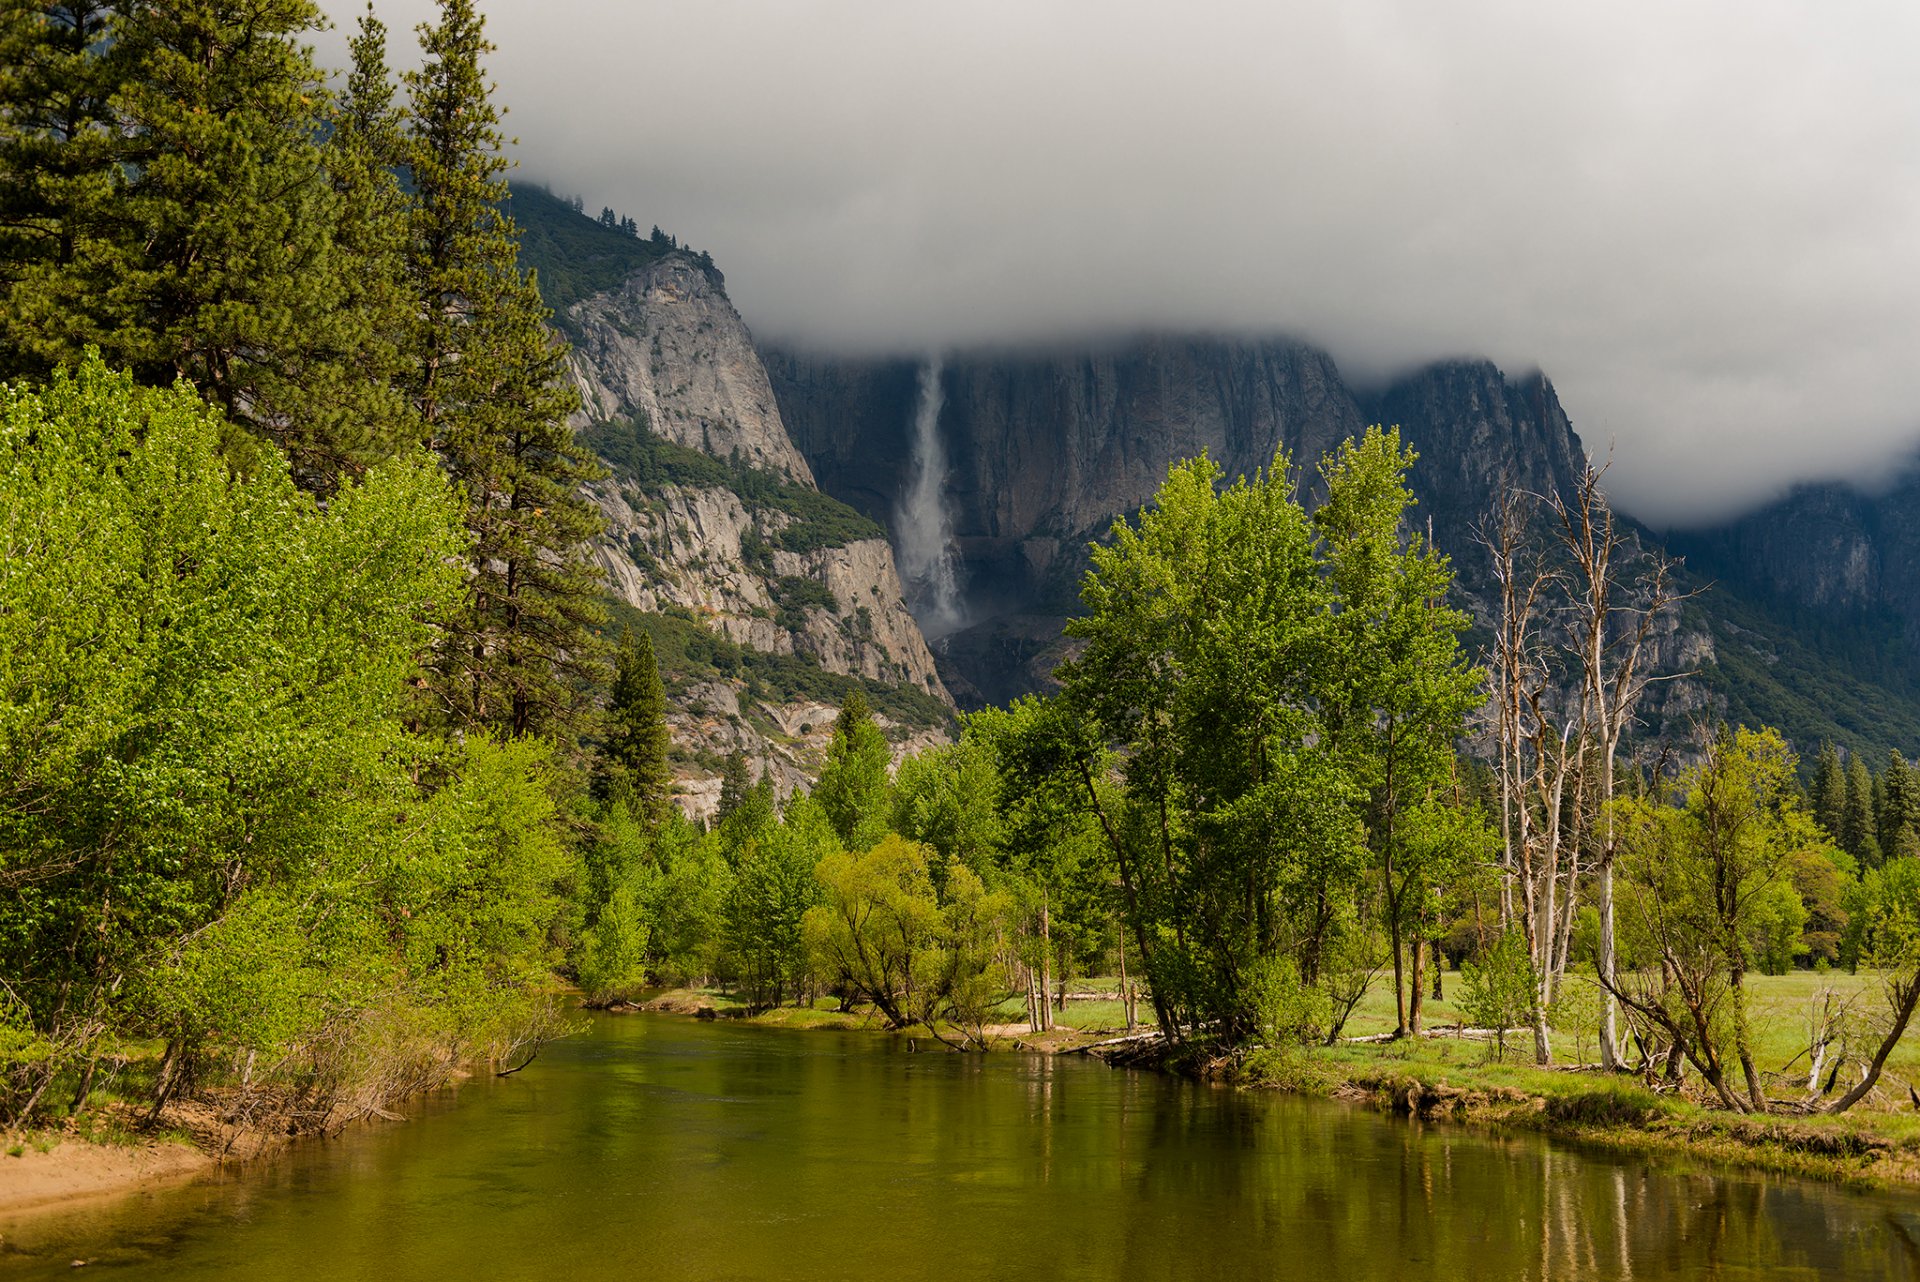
(1499, 988)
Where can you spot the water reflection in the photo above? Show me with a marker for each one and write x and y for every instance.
(665, 1149)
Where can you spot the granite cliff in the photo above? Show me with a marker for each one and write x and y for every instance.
(1043, 449)
(767, 600)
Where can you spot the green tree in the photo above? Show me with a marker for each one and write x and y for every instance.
(184, 221)
(1398, 688)
(773, 886)
(1829, 792)
(1236, 832)
(876, 926)
(56, 180)
(1859, 825)
(220, 834)
(637, 743)
(736, 783)
(1711, 887)
(364, 154)
(488, 382)
(1900, 810)
(854, 789)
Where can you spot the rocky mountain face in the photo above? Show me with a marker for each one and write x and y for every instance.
(666, 347)
(766, 599)
(1042, 450)
(1824, 547)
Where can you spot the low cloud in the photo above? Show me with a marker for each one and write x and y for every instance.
(1702, 220)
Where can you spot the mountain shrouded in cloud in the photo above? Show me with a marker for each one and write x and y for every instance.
(1699, 218)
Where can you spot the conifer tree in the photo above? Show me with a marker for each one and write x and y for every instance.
(186, 222)
(364, 155)
(634, 755)
(488, 381)
(1900, 803)
(1858, 827)
(736, 781)
(1830, 791)
(56, 141)
(854, 789)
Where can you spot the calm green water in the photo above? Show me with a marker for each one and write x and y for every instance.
(657, 1149)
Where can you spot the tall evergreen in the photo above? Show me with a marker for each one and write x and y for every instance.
(180, 216)
(854, 788)
(488, 381)
(634, 754)
(56, 179)
(1899, 806)
(1858, 828)
(364, 155)
(1830, 791)
(736, 782)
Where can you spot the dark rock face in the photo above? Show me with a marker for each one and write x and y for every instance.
(1045, 449)
(1824, 547)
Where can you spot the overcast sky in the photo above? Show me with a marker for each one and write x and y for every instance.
(1701, 220)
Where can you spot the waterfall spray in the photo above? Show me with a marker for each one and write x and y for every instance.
(923, 523)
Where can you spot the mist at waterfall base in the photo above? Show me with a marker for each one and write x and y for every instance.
(923, 523)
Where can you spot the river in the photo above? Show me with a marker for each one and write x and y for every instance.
(657, 1149)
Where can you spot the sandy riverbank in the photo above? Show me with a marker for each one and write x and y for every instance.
(73, 1170)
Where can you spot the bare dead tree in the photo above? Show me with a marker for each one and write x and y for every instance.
(1618, 592)
(1540, 751)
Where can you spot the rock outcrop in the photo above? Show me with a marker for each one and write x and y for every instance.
(1045, 450)
(665, 357)
(667, 346)
(1807, 613)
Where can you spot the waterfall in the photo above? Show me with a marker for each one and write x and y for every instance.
(923, 523)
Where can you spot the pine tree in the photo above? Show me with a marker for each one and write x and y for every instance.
(489, 384)
(736, 782)
(634, 754)
(1830, 791)
(854, 788)
(1900, 805)
(364, 154)
(190, 219)
(1858, 837)
(56, 176)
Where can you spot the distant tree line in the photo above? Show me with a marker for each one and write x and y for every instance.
(1251, 797)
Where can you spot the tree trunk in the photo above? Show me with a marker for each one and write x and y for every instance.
(1609, 1030)
(1902, 1012)
(1418, 986)
(1439, 973)
(1393, 934)
(1046, 965)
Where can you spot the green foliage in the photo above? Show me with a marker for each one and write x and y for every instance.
(1499, 988)
(794, 596)
(689, 652)
(807, 519)
(652, 463)
(772, 889)
(876, 924)
(576, 256)
(169, 205)
(488, 380)
(1287, 1010)
(1285, 693)
(219, 831)
(636, 742)
(854, 789)
(1708, 885)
